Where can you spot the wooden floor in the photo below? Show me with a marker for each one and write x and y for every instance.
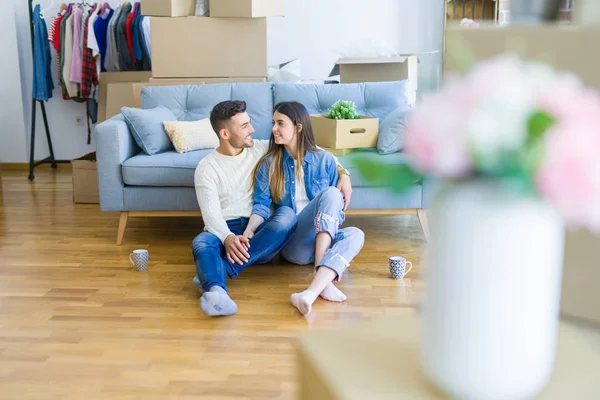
(76, 322)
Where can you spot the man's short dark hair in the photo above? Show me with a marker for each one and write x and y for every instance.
(222, 112)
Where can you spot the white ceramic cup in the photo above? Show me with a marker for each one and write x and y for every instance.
(398, 267)
(139, 259)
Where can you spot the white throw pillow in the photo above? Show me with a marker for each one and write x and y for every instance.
(191, 135)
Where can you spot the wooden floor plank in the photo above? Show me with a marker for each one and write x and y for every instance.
(76, 321)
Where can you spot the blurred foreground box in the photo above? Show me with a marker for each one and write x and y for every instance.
(568, 48)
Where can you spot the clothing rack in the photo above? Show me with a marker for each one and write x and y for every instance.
(50, 159)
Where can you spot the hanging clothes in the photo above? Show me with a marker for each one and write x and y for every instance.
(93, 39)
(42, 75)
(76, 57)
(89, 70)
(137, 49)
(146, 30)
(146, 59)
(100, 30)
(109, 61)
(60, 37)
(72, 88)
(124, 55)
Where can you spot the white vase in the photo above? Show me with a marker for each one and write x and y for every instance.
(493, 270)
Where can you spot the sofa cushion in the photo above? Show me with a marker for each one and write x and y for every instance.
(373, 99)
(174, 169)
(165, 169)
(371, 154)
(195, 102)
(391, 131)
(146, 127)
(191, 135)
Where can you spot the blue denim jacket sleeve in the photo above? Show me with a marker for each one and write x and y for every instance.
(332, 169)
(262, 192)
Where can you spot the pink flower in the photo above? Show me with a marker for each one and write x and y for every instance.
(477, 125)
(435, 133)
(569, 176)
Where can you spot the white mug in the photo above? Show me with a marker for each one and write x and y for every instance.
(139, 259)
(398, 267)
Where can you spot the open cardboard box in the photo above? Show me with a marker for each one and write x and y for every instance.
(345, 133)
(383, 69)
(379, 69)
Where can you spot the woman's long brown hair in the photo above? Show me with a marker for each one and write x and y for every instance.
(298, 114)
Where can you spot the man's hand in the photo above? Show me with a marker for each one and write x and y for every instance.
(236, 248)
(345, 186)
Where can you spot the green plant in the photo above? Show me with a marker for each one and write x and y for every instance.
(342, 109)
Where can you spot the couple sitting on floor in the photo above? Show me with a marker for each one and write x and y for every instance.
(239, 183)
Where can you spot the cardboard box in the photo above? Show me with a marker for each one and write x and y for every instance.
(116, 95)
(580, 295)
(379, 69)
(111, 99)
(382, 69)
(189, 81)
(567, 48)
(553, 44)
(85, 179)
(208, 47)
(246, 8)
(345, 133)
(168, 8)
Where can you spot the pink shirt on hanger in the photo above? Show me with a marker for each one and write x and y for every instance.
(75, 75)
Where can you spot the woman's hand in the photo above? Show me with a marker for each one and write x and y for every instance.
(345, 186)
(248, 234)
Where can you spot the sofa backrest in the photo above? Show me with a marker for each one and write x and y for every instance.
(373, 99)
(193, 102)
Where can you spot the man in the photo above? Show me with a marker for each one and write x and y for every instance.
(223, 181)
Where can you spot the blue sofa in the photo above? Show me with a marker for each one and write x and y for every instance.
(137, 184)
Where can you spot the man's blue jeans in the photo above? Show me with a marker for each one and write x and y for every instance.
(212, 265)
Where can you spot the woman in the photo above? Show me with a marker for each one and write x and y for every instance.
(295, 173)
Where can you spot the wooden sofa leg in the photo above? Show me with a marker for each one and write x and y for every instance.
(122, 226)
(422, 213)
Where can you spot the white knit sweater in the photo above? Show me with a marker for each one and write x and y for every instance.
(223, 187)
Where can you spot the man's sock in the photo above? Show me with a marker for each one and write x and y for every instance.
(197, 283)
(303, 301)
(332, 293)
(217, 302)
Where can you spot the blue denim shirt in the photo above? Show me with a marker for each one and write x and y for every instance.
(320, 172)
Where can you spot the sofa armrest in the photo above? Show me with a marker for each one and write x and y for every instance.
(114, 144)
(430, 189)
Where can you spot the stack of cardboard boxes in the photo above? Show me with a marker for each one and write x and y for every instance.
(228, 46)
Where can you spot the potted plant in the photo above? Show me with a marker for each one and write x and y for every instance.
(518, 159)
(342, 128)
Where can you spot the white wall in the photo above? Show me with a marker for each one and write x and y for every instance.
(12, 124)
(319, 32)
(316, 31)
